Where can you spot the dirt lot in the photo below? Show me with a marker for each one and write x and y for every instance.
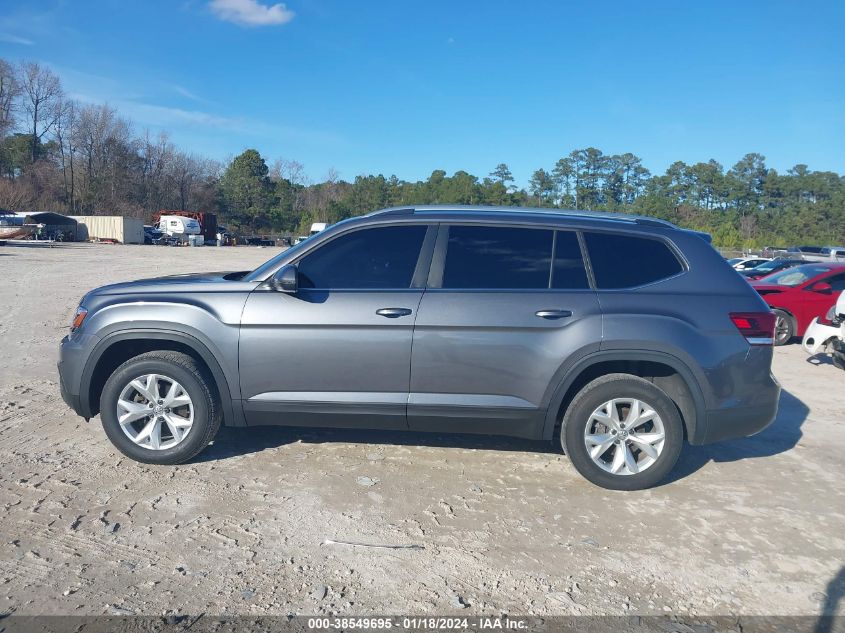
(746, 527)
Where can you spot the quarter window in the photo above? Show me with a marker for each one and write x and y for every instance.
(626, 261)
(491, 257)
(378, 258)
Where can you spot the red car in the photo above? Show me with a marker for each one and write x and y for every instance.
(797, 295)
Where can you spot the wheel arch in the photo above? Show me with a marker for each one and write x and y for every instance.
(665, 371)
(118, 347)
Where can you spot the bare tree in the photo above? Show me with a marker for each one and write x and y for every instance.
(10, 90)
(42, 101)
(157, 156)
(64, 137)
(108, 158)
(15, 196)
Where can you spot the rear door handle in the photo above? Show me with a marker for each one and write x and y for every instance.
(553, 314)
(393, 313)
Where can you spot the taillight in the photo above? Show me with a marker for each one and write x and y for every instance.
(828, 318)
(758, 328)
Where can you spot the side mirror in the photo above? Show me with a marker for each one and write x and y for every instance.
(286, 279)
(823, 287)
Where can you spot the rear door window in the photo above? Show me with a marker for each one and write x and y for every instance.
(627, 261)
(497, 257)
(568, 272)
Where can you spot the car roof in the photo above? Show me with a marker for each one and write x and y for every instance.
(828, 267)
(530, 214)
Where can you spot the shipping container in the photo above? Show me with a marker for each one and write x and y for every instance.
(109, 227)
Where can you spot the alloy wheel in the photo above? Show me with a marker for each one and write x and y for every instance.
(624, 436)
(155, 412)
(781, 329)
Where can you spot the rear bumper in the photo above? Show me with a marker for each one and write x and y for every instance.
(743, 420)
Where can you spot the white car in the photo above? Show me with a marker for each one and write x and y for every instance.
(828, 334)
(744, 263)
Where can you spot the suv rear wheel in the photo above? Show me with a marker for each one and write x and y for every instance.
(160, 408)
(622, 433)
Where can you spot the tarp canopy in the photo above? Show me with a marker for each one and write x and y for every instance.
(48, 218)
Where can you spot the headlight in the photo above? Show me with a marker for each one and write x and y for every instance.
(78, 318)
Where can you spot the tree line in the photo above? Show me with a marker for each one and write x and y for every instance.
(60, 155)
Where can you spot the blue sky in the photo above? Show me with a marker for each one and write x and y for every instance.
(401, 87)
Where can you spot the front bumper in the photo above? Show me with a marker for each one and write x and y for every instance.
(817, 336)
(71, 400)
(73, 353)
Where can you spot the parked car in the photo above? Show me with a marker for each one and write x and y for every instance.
(744, 263)
(512, 322)
(152, 235)
(827, 334)
(832, 253)
(799, 294)
(155, 237)
(801, 251)
(767, 268)
(260, 241)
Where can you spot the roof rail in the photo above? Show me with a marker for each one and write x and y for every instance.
(393, 211)
(595, 215)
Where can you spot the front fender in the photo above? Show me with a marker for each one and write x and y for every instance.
(212, 331)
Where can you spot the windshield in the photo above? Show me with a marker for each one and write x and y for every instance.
(769, 266)
(267, 266)
(796, 276)
(735, 260)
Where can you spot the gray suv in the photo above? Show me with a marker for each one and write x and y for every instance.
(623, 336)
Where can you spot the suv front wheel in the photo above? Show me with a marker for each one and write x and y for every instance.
(160, 408)
(622, 433)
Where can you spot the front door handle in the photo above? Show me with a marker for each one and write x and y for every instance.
(553, 314)
(393, 313)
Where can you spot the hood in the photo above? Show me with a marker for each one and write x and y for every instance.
(194, 282)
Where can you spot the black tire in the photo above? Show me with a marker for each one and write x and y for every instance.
(838, 359)
(784, 327)
(197, 383)
(600, 391)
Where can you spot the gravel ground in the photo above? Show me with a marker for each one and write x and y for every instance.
(257, 523)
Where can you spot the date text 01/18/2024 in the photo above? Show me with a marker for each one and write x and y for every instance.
(418, 623)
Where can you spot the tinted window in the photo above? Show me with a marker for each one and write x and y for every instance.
(625, 261)
(568, 272)
(489, 257)
(371, 258)
(837, 282)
